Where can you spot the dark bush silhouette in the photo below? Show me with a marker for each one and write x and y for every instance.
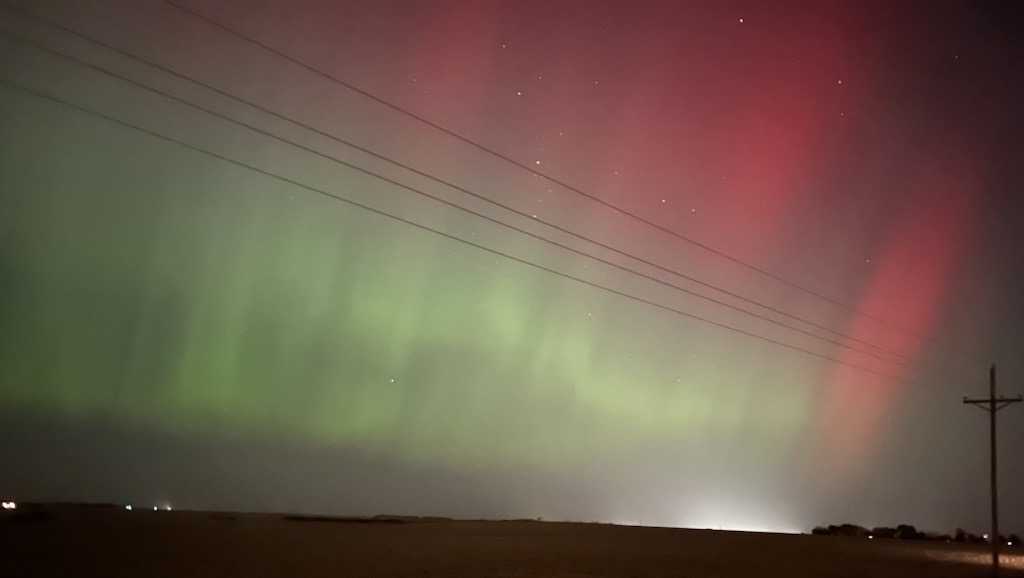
(908, 532)
(848, 530)
(883, 532)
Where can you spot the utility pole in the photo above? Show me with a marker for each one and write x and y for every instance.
(992, 405)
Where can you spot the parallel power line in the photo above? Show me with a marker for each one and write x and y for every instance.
(533, 170)
(323, 192)
(445, 202)
(898, 357)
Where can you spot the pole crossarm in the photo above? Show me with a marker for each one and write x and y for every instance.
(987, 403)
(1006, 402)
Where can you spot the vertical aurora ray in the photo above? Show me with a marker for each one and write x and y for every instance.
(911, 288)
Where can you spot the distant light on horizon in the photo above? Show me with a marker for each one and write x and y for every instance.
(128, 507)
(9, 505)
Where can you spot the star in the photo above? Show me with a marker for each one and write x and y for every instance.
(693, 211)
(868, 260)
(663, 201)
(504, 44)
(840, 81)
(519, 93)
(596, 82)
(392, 380)
(741, 20)
(537, 162)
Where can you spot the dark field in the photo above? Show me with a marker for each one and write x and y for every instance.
(113, 542)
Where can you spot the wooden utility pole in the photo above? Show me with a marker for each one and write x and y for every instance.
(992, 405)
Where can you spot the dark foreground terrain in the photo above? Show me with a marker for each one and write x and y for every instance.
(87, 542)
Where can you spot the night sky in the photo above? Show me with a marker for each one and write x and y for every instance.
(179, 329)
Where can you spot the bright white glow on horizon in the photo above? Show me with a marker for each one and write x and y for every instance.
(128, 507)
(758, 529)
(722, 528)
(9, 505)
(736, 515)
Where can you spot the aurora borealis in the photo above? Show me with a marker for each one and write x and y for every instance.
(177, 328)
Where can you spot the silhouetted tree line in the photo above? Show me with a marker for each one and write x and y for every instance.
(908, 532)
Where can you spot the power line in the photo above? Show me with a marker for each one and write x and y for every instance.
(455, 186)
(445, 202)
(340, 140)
(484, 148)
(382, 213)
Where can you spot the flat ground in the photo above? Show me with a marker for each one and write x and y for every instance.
(113, 542)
